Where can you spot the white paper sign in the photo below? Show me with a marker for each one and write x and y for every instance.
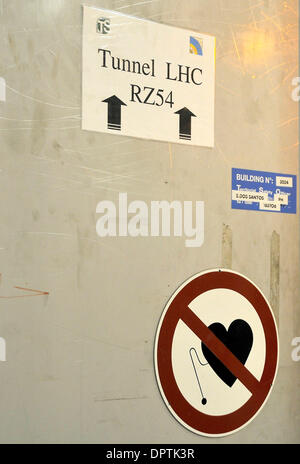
(148, 80)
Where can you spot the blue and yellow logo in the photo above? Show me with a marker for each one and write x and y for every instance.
(196, 46)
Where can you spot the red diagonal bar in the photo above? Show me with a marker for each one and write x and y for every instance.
(221, 351)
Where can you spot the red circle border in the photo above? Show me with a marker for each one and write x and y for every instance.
(200, 422)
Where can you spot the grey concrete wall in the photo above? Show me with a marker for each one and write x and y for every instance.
(79, 363)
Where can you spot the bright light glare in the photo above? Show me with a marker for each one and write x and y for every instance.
(257, 47)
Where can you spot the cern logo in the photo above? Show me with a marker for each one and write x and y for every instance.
(103, 25)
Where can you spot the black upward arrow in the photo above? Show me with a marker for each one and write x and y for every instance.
(185, 123)
(114, 112)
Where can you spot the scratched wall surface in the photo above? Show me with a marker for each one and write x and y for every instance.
(79, 365)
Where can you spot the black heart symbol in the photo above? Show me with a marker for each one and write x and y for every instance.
(238, 339)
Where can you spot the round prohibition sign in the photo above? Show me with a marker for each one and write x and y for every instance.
(257, 384)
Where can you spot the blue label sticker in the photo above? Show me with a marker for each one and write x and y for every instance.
(264, 191)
